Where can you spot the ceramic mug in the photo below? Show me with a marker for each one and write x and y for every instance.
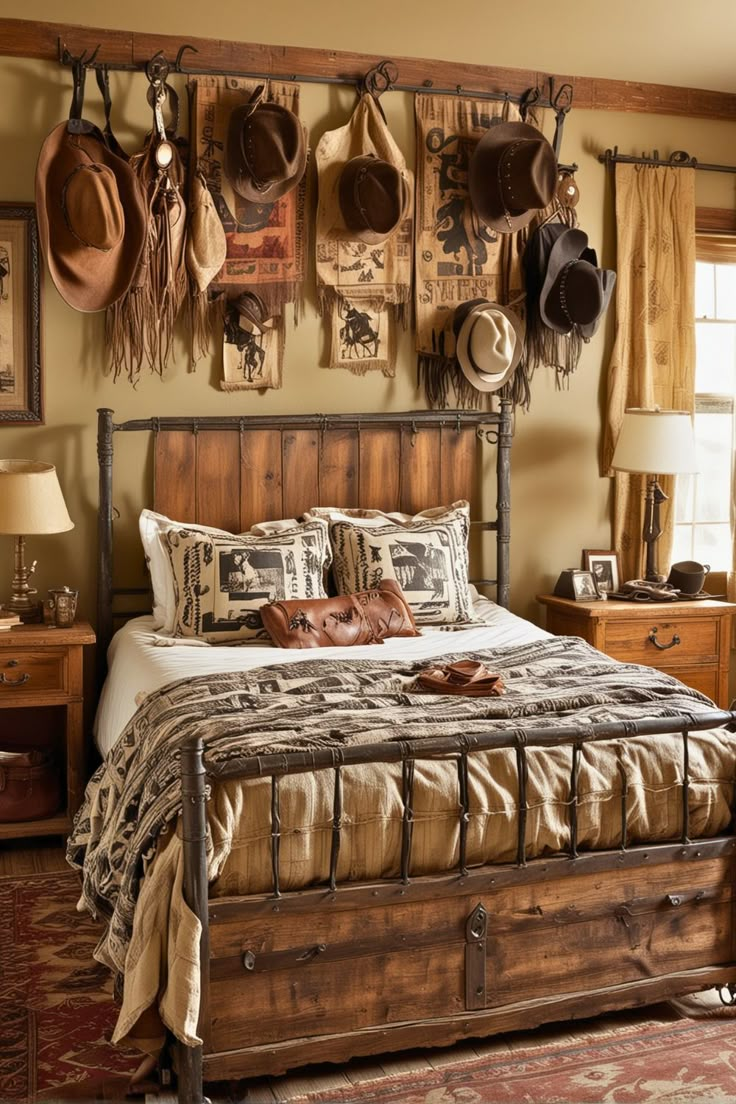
(688, 576)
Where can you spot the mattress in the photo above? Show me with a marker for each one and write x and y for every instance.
(141, 660)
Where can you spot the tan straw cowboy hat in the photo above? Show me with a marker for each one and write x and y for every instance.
(91, 218)
(489, 343)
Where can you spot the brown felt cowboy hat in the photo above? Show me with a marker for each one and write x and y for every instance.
(265, 150)
(575, 292)
(374, 198)
(513, 174)
(91, 218)
(489, 341)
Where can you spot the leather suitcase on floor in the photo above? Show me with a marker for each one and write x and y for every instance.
(30, 788)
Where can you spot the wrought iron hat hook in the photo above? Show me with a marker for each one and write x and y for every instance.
(381, 78)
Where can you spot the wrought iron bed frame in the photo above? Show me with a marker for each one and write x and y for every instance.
(478, 1018)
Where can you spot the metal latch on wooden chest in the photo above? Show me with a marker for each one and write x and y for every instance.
(475, 958)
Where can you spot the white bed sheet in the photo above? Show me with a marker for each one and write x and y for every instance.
(141, 660)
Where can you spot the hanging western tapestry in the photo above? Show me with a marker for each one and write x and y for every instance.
(457, 257)
(252, 150)
(364, 230)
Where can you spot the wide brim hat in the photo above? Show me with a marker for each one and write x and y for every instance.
(512, 175)
(374, 198)
(489, 342)
(265, 150)
(92, 218)
(206, 247)
(575, 292)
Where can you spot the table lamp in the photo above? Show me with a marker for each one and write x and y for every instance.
(31, 502)
(660, 441)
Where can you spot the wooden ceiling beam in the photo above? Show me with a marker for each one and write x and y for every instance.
(28, 39)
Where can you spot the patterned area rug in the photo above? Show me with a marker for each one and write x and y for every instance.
(57, 1013)
(56, 1007)
(683, 1052)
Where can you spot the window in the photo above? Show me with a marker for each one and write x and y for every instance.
(703, 506)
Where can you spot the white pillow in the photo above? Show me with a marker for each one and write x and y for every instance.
(153, 528)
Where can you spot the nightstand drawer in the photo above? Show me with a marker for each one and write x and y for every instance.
(677, 641)
(24, 672)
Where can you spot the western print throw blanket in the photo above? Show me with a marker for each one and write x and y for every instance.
(135, 794)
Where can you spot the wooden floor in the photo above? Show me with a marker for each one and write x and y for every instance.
(42, 857)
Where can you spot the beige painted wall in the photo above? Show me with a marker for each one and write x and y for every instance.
(560, 504)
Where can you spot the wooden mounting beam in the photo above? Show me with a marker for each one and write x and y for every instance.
(27, 39)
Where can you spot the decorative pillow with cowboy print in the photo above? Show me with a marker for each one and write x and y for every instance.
(427, 557)
(221, 582)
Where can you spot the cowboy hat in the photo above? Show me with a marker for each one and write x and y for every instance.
(265, 150)
(512, 174)
(374, 198)
(206, 247)
(252, 312)
(489, 343)
(91, 218)
(575, 292)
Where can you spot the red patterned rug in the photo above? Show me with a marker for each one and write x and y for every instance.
(678, 1053)
(56, 1008)
(57, 1014)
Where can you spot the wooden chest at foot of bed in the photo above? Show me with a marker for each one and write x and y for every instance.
(322, 976)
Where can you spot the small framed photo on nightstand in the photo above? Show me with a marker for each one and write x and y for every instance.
(583, 585)
(604, 568)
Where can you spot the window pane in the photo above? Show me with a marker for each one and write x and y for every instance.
(705, 302)
(725, 290)
(682, 544)
(713, 440)
(715, 344)
(713, 546)
(684, 499)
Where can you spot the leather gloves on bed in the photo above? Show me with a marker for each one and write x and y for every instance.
(367, 617)
(467, 677)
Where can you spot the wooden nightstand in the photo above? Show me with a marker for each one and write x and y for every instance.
(41, 701)
(690, 640)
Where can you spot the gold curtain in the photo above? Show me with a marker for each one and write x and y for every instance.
(653, 359)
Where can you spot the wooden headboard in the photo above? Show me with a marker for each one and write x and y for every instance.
(231, 472)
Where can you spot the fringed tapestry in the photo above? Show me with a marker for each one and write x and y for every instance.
(362, 289)
(456, 257)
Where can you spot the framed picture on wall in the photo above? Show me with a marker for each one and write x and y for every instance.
(20, 316)
(604, 567)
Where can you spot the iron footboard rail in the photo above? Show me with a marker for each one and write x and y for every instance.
(195, 775)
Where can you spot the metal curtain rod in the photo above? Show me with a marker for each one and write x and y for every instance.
(382, 78)
(677, 160)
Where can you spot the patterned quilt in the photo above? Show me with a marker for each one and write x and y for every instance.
(134, 795)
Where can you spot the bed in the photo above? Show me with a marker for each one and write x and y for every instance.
(598, 876)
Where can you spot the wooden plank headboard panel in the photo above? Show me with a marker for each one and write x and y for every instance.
(231, 472)
(232, 480)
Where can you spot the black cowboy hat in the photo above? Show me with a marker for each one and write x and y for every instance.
(512, 174)
(575, 292)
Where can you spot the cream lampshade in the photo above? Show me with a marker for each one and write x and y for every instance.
(31, 502)
(661, 442)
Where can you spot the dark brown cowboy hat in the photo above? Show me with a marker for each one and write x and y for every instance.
(513, 174)
(91, 218)
(252, 312)
(265, 150)
(489, 342)
(374, 198)
(575, 292)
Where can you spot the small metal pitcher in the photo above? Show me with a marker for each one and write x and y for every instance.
(60, 607)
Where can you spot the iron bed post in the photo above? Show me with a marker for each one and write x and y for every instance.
(104, 539)
(194, 837)
(503, 505)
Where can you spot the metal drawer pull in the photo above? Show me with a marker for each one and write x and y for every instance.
(14, 682)
(663, 647)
